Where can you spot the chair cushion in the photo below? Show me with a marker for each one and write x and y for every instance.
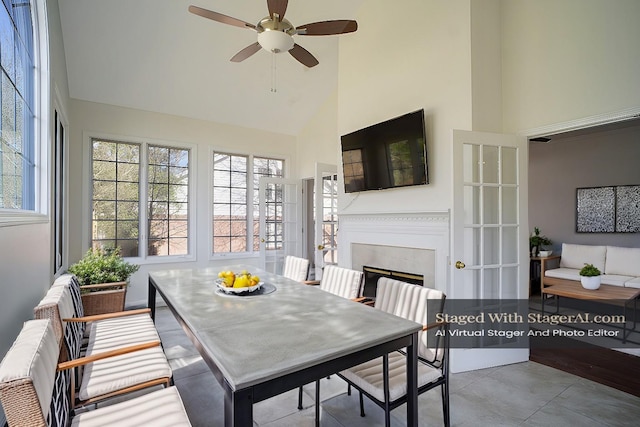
(110, 334)
(343, 282)
(33, 356)
(56, 305)
(368, 376)
(162, 408)
(119, 372)
(576, 256)
(623, 261)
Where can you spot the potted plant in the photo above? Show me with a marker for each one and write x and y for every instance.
(537, 242)
(590, 277)
(103, 276)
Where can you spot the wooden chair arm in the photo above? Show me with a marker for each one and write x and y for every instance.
(364, 300)
(115, 315)
(105, 285)
(117, 352)
(311, 282)
(432, 325)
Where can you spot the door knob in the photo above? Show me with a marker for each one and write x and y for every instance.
(460, 265)
(320, 247)
(262, 240)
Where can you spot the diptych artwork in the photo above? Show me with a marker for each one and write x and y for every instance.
(614, 209)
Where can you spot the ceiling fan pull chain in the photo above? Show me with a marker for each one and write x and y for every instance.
(274, 82)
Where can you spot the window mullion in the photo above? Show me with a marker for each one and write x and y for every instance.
(143, 202)
(250, 206)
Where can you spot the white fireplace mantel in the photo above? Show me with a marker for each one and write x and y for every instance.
(420, 230)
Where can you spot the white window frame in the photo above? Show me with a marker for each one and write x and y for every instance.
(87, 180)
(42, 133)
(250, 210)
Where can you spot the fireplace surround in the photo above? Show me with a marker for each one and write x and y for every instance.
(417, 243)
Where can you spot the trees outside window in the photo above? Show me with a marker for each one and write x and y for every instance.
(126, 174)
(236, 220)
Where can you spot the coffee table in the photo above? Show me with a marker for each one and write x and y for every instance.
(606, 294)
(260, 346)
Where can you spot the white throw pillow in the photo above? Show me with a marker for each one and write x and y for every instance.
(576, 256)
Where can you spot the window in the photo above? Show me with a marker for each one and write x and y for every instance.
(59, 193)
(236, 220)
(17, 124)
(125, 174)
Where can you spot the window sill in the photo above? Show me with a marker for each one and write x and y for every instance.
(10, 218)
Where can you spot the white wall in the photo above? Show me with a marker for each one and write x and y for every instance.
(318, 140)
(567, 60)
(98, 119)
(404, 59)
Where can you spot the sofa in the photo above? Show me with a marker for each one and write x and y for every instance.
(619, 266)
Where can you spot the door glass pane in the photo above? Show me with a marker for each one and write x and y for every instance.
(471, 280)
(509, 205)
(471, 158)
(490, 205)
(471, 250)
(509, 165)
(510, 282)
(490, 166)
(509, 245)
(471, 205)
(491, 245)
(491, 283)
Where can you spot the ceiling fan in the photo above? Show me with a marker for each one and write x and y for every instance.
(275, 34)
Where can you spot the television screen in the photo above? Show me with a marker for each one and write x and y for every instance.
(386, 155)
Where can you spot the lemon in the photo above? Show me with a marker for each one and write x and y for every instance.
(241, 282)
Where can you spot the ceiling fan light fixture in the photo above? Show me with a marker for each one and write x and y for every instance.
(275, 41)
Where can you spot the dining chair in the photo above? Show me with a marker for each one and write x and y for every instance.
(384, 379)
(295, 268)
(345, 283)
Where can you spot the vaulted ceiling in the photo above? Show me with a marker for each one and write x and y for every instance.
(154, 55)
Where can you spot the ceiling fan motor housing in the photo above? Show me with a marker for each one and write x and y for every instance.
(275, 36)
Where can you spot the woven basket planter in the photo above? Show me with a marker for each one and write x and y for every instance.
(104, 301)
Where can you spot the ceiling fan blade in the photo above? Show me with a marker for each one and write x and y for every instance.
(246, 52)
(303, 56)
(277, 6)
(327, 28)
(220, 17)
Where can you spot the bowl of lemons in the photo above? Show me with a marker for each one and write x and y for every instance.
(230, 282)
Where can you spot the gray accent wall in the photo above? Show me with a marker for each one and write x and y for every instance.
(557, 168)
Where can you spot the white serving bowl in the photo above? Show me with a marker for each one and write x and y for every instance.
(545, 253)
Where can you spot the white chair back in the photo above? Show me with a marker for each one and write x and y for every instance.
(411, 302)
(295, 268)
(340, 281)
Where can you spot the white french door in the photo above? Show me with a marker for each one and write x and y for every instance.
(326, 217)
(490, 258)
(280, 206)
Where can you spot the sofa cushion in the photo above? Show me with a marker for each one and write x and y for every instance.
(614, 279)
(633, 283)
(576, 256)
(624, 261)
(563, 273)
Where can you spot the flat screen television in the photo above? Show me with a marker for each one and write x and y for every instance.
(386, 155)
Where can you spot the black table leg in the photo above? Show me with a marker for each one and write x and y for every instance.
(238, 408)
(151, 299)
(412, 382)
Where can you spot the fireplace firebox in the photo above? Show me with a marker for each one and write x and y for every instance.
(372, 274)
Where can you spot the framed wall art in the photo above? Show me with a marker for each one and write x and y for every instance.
(613, 209)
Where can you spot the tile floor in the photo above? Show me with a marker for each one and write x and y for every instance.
(524, 394)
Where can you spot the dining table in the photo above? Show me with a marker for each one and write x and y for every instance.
(281, 336)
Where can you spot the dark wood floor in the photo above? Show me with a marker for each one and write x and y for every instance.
(605, 366)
